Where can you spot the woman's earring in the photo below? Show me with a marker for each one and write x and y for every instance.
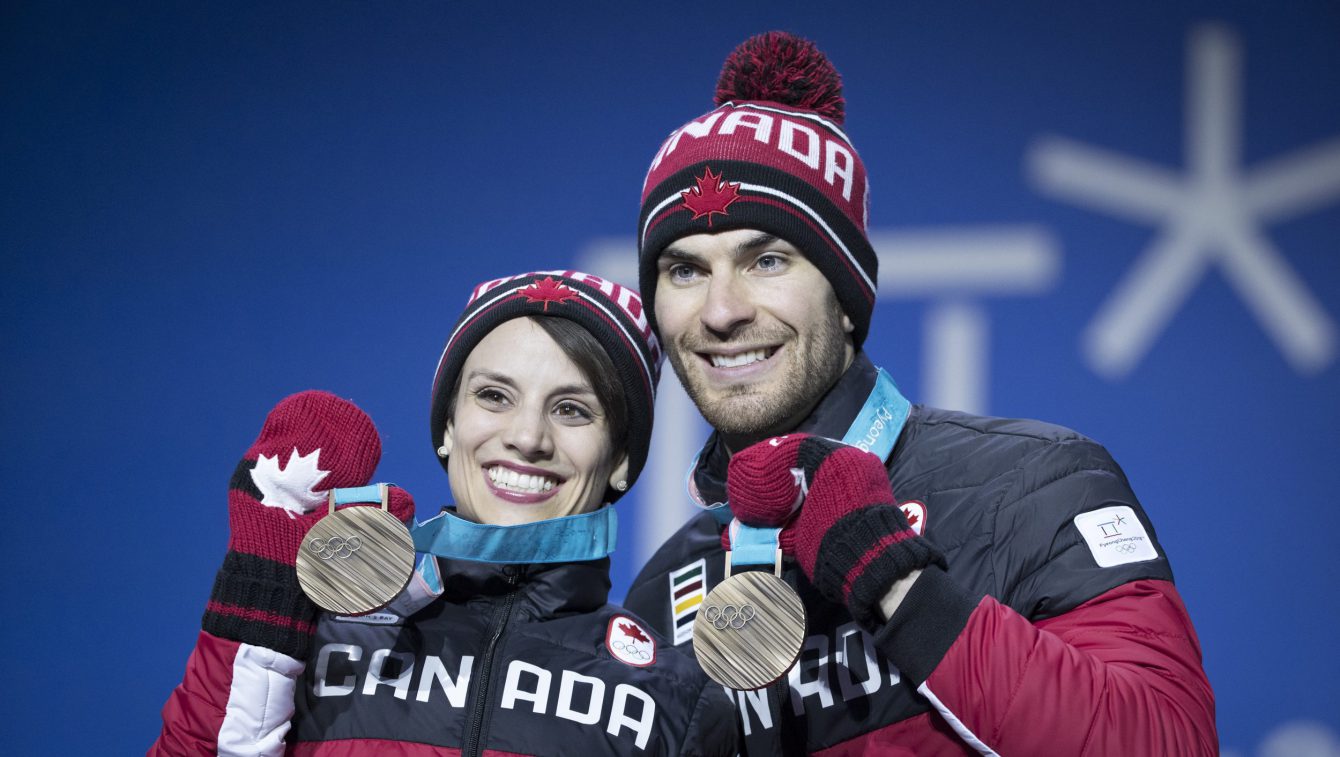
(621, 486)
(443, 451)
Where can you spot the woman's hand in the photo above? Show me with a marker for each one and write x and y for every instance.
(311, 442)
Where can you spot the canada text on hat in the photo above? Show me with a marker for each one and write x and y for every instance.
(773, 157)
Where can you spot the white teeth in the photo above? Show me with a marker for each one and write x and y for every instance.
(735, 361)
(507, 478)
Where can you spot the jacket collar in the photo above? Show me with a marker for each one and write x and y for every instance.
(549, 590)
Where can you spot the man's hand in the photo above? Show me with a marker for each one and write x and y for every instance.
(311, 442)
(849, 536)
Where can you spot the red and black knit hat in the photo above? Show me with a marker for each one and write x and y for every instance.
(771, 157)
(612, 313)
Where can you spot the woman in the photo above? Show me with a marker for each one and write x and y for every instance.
(503, 641)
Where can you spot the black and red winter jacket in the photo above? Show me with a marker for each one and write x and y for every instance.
(491, 660)
(1025, 645)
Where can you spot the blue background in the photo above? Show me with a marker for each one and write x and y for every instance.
(209, 206)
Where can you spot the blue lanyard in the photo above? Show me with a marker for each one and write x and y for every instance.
(571, 538)
(875, 430)
(881, 419)
(750, 545)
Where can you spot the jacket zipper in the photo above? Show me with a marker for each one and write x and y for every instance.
(475, 736)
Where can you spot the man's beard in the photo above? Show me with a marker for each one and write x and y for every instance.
(752, 413)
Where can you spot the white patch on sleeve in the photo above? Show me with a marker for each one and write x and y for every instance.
(260, 702)
(1115, 536)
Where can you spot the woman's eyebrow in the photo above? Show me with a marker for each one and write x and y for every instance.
(502, 378)
(488, 375)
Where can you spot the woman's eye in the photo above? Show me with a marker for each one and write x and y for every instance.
(490, 397)
(572, 411)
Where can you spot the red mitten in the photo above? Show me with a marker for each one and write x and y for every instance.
(849, 535)
(311, 442)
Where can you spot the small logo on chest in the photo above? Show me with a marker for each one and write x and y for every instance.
(915, 512)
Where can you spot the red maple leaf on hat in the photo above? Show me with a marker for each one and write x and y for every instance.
(633, 631)
(712, 195)
(547, 290)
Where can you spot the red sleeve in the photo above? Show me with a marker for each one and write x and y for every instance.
(194, 712)
(1120, 674)
(234, 699)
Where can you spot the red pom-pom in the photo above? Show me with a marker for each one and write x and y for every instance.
(782, 68)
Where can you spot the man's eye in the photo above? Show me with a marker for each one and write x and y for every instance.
(770, 263)
(681, 272)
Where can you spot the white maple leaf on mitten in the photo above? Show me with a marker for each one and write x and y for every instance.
(290, 487)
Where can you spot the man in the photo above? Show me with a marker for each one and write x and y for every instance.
(993, 586)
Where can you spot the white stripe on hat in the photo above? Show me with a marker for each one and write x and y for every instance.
(817, 219)
(646, 369)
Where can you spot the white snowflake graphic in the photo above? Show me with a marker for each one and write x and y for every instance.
(290, 487)
(1211, 215)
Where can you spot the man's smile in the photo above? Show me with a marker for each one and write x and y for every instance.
(739, 359)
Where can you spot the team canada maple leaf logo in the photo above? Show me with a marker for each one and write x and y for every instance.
(629, 642)
(712, 195)
(633, 631)
(915, 512)
(547, 290)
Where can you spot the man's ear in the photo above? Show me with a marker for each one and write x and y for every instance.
(847, 324)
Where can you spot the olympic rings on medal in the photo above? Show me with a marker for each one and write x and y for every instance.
(631, 649)
(335, 546)
(729, 616)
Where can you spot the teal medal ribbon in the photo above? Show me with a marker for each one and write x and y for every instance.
(571, 538)
(881, 419)
(352, 494)
(752, 545)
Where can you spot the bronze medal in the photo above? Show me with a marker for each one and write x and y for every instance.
(356, 559)
(749, 629)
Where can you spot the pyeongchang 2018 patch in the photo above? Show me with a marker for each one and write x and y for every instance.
(1115, 536)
